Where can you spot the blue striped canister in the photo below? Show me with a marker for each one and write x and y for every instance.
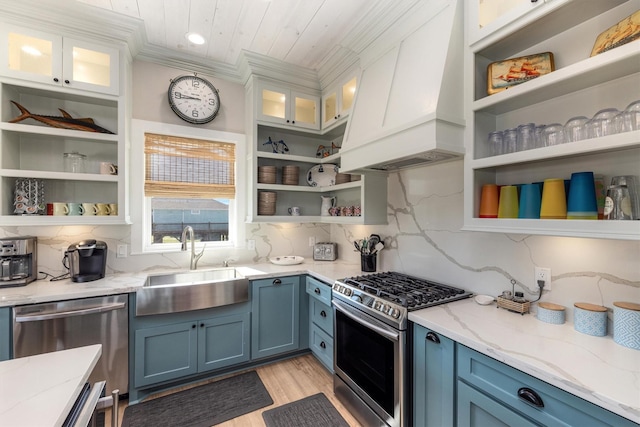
(626, 324)
(590, 319)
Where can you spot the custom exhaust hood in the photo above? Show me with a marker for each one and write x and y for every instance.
(408, 109)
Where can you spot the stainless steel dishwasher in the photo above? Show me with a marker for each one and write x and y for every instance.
(61, 325)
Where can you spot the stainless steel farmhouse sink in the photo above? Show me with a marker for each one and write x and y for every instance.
(191, 290)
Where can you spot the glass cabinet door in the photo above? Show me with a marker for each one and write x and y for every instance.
(330, 105)
(487, 16)
(306, 111)
(348, 94)
(90, 67)
(274, 104)
(32, 55)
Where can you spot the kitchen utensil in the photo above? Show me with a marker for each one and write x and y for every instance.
(379, 246)
(368, 262)
(554, 201)
(489, 201)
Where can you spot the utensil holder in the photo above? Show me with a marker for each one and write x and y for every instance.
(368, 262)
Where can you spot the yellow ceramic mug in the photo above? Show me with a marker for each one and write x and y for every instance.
(102, 209)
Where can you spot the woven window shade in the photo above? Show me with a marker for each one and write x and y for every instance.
(188, 168)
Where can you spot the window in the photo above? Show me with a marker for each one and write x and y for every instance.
(190, 177)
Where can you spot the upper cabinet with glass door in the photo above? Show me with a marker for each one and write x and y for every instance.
(48, 58)
(337, 103)
(288, 107)
(488, 16)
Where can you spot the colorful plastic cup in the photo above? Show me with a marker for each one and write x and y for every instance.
(581, 203)
(530, 201)
(554, 201)
(489, 201)
(508, 204)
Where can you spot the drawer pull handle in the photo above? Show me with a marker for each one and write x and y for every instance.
(193, 326)
(323, 345)
(531, 397)
(433, 337)
(317, 291)
(323, 313)
(277, 282)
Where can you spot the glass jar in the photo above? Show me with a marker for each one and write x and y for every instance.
(74, 162)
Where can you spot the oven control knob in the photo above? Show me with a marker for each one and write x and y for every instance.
(394, 312)
(348, 292)
(384, 308)
(377, 305)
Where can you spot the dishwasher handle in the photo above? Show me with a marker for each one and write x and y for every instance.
(69, 313)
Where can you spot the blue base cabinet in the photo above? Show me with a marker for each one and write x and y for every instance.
(173, 351)
(320, 321)
(487, 387)
(5, 333)
(275, 321)
(434, 379)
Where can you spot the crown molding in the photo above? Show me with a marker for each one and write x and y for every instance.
(250, 63)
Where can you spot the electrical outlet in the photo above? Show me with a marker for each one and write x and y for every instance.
(543, 274)
(121, 251)
(312, 241)
(251, 244)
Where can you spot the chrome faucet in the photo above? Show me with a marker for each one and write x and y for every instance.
(193, 264)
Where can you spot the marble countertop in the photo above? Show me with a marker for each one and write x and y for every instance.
(46, 291)
(594, 368)
(40, 390)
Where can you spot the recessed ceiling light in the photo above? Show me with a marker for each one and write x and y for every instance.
(195, 38)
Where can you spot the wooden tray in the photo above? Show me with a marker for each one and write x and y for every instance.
(501, 75)
(516, 307)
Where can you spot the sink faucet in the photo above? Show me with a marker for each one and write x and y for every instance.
(226, 262)
(193, 264)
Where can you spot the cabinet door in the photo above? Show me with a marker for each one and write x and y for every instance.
(478, 410)
(305, 110)
(5, 333)
(165, 353)
(90, 67)
(434, 378)
(275, 316)
(31, 55)
(485, 17)
(273, 104)
(223, 341)
(322, 346)
(336, 105)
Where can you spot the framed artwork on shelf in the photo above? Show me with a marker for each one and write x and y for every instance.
(623, 32)
(501, 75)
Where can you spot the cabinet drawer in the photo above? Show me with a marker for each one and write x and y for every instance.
(322, 346)
(319, 290)
(503, 383)
(322, 316)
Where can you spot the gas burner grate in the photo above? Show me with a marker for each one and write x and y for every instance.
(407, 291)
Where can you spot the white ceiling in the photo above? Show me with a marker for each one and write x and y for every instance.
(301, 32)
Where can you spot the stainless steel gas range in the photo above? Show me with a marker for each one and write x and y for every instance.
(370, 341)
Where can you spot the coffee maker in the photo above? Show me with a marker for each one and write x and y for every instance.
(87, 260)
(18, 261)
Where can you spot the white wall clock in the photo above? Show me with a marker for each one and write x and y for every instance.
(194, 99)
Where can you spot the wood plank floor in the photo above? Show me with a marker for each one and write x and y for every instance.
(287, 381)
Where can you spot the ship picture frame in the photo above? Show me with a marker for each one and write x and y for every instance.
(502, 75)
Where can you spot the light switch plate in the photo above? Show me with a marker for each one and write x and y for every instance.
(121, 251)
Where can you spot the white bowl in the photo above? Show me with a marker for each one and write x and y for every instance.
(484, 299)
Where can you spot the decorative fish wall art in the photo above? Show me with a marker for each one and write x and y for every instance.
(64, 122)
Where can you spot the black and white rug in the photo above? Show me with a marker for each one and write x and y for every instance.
(201, 406)
(312, 411)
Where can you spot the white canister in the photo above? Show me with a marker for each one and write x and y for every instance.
(590, 319)
(549, 312)
(626, 324)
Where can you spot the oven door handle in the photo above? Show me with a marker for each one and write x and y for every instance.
(341, 307)
(69, 313)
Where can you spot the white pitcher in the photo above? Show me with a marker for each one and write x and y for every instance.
(328, 202)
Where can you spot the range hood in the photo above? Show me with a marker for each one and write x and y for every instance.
(408, 109)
